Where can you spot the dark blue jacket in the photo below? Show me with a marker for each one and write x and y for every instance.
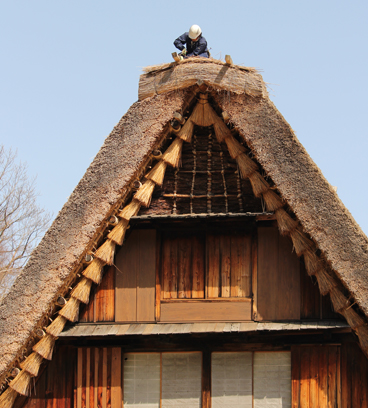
(194, 48)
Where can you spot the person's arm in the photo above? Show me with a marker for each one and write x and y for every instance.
(180, 42)
(200, 48)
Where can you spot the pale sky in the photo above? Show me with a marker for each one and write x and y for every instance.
(70, 70)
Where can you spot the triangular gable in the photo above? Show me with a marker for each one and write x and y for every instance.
(124, 158)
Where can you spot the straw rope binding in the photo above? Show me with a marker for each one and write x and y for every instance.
(94, 270)
(246, 165)
(118, 233)
(234, 147)
(32, 364)
(352, 317)
(285, 223)
(106, 252)
(144, 194)
(7, 398)
(82, 290)
(172, 155)
(57, 326)
(221, 130)
(325, 281)
(157, 174)
(339, 301)
(259, 184)
(300, 241)
(312, 262)
(272, 200)
(71, 310)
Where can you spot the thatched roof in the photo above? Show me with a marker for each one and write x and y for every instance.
(122, 159)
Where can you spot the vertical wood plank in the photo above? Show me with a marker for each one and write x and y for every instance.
(295, 376)
(213, 266)
(323, 362)
(84, 376)
(309, 296)
(314, 380)
(88, 377)
(104, 377)
(241, 265)
(116, 380)
(158, 277)
(92, 385)
(169, 266)
(79, 377)
(332, 369)
(184, 268)
(198, 262)
(267, 284)
(254, 274)
(86, 314)
(127, 261)
(105, 297)
(146, 278)
(109, 374)
(225, 264)
(305, 374)
(206, 379)
(99, 382)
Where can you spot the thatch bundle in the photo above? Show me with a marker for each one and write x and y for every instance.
(300, 241)
(312, 262)
(71, 310)
(203, 114)
(82, 290)
(21, 383)
(259, 184)
(144, 194)
(7, 398)
(246, 165)
(94, 270)
(362, 333)
(172, 155)
(325, 281)
(285, 223)
(106, 252)
(130, 210)
(186, 132)
(272, 200)
(221, 130)
(352, 317)
(118, 233)
(157, 174)
(234, 147)
(57, 326)
(32, 364)
(339, 301)
(45, 346)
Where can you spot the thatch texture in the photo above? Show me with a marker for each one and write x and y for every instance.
(183, 75)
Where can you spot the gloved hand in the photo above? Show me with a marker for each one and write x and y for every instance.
(184, 52)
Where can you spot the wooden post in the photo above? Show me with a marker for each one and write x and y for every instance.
(206, 379)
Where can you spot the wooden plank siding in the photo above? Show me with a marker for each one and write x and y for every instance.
(278, 273)
(315, 376)
(136, 278)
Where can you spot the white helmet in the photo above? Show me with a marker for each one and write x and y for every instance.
(194, 32)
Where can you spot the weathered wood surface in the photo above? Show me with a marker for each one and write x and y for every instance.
(206, 311)
(218, 76)
(136, 278)
(278, 273)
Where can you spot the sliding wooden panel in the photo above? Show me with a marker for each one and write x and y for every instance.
(136, 278)
(146, 277)
(278, 277)
(229, 267)
(315, 376)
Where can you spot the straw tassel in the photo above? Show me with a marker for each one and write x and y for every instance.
(22, 383)
(32, 364)
(157, 174)
(352, 317)
(71, 310)
(7, 398)
(285, 223)
(300, 241)
(339, 301)
(82, 290)
(118, 233)
(94, 271)
(325, 281)
(362, 333)
(203, 114)
(144, 194)
(312, 262)
(246, 165)
(130, 210)
(234, 147)
(221, 130)
(57, 326)
(172, 155)
(106, 252)
(259, 184)
(272, 200)
(186, 132)
(45, 346)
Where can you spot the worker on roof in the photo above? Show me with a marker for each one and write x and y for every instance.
(196, 44)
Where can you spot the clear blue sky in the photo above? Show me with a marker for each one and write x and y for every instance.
(70, 70)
